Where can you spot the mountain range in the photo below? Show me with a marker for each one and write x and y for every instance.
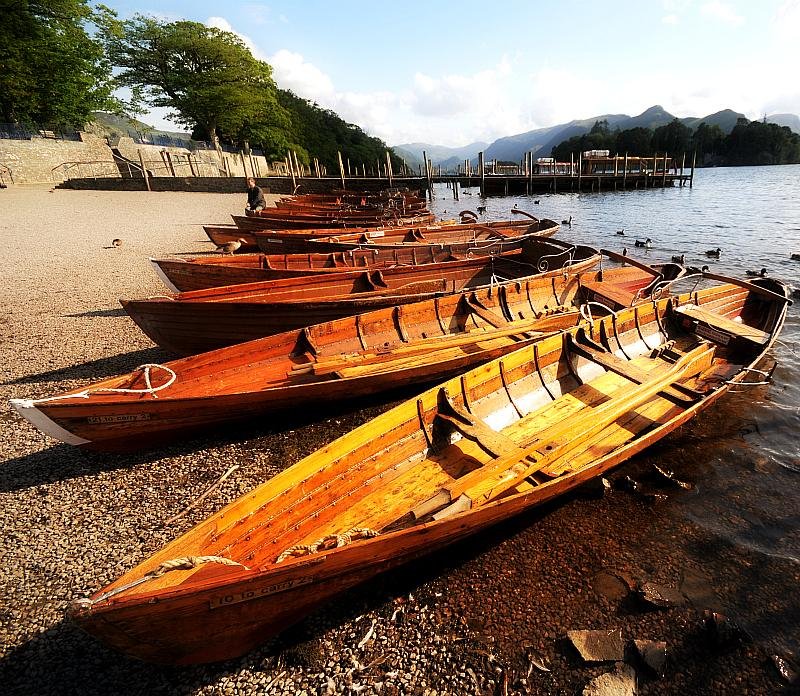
(541, 141)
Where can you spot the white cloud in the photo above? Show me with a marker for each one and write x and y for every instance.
(786, 22)
(718, 10)
(670, 19)
(292, 71)
(224, 25)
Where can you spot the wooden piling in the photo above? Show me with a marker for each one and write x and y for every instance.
(290, 164)
(482, 173)
(389, 168)
(691, 176)
(625, 172)
(664, 176)
(580, 169)
(341, 168)
(144, 171)
(683, 163)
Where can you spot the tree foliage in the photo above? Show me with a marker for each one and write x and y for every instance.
(207, 76)
(214, 85)
(52, 72)
(322, 133)
(750, 142)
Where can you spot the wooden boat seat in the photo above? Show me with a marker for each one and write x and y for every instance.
(609, 294)
(475, 429)
(720, 329)
(489, 316)
(626, 368)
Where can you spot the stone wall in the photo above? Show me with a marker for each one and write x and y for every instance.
(34, 160)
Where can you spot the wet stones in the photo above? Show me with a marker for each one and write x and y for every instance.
(620, 682)
(599, 646)
(660, 596)
(653, 654)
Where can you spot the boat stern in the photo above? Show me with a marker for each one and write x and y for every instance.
(28, 409)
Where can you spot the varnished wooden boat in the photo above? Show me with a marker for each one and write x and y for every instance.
(296, 241)
(342, 359)
(466, 235)
(268, 220)
(476, 450)
(200, 320)
(213, 270)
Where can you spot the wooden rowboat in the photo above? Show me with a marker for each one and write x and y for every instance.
(213, 270)
(265, 220)
(201, 320)
(476, 450)
(443, 232)
(472, 235)
(338, 360)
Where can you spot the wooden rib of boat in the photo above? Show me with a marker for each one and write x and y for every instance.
(474, 451)
(472, 234)
(342, 359)
(201, 320)
(275, 220)
(213, 270)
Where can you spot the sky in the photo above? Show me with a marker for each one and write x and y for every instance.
(452, 73)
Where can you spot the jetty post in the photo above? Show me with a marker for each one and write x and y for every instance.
(341, 168)
(482, 172)
(683, 163)
(580, 169)
(389, 168)
(144, 171)
(291, 170)
(691, 176)
(664, 176)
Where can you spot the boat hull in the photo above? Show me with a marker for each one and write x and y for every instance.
(213, 612)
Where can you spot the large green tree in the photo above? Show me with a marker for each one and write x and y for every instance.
(207, 76)
(52, 72)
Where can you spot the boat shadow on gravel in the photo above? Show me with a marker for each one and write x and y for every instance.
(99, 369)
(65, 660)
(116, 312)
(287, 436)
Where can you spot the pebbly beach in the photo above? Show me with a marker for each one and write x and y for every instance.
(489, 615)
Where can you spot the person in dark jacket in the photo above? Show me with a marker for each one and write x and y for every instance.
(255, 196)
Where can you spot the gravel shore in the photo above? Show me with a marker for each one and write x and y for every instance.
(462, 622)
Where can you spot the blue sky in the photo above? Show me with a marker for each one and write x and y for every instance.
(456, 72)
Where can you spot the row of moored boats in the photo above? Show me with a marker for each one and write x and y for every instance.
(551, 363)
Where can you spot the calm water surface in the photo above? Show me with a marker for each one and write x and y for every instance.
(749, 489)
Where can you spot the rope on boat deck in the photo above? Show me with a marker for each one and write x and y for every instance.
(183, 563)
(586, 311)
(332, 541)
(117, 390)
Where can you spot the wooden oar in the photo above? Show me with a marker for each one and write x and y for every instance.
(488, 482)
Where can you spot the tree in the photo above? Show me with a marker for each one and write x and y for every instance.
(207, 76)
(674, 137)
(637, 141)
(51, 71)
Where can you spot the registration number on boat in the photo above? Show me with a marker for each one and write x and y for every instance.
(122, 418)
(256, 592)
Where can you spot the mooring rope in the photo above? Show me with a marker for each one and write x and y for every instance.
(585, 306)
(183, 563)
(116, 390)
(331, 541)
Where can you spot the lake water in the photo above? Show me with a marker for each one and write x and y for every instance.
(744, 453)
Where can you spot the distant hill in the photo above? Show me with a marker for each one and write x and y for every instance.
(725, 119)
(789, 120)
(438, 154)
(124, 125)
(541, 141)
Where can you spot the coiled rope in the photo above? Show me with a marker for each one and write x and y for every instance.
(183, 563)
(147, 367)
(332, 541)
